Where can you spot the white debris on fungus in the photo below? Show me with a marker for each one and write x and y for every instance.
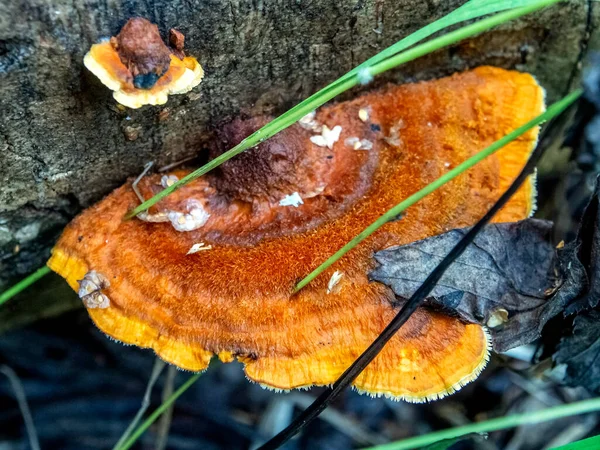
(168, 180)
(291, 200)
(308, 122)
(394, 138)
(199, 247)
(328, 137)
(363, 114)
(358, 144)
(194, 219)
(332, 286)
(90, 290)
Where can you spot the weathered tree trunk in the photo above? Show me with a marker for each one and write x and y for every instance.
(64, 144)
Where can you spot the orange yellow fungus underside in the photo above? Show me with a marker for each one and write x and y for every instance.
(181, 77)
(235, 298)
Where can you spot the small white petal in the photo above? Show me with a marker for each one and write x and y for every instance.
(291, 200)
(331, 136)
(198, 248)
(363, 114)
(333, 281)
(319, 140)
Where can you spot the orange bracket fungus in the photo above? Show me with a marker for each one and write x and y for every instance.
(140, 68)
(216, 274)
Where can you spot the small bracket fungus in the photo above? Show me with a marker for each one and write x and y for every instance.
(237, 300)
(140, 68)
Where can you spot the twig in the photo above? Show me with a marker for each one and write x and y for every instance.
(177, 163)
(159, 365)
(23, 406)
(135, 183)
(157, 413)
(165, 421)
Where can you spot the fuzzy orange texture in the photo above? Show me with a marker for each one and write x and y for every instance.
(109, 57)
(236, 300)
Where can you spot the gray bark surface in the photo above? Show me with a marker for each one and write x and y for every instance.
(64, 144)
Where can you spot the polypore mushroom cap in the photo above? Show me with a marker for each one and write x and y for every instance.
(233, 294)
(140, 68)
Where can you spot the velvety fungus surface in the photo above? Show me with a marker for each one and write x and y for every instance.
(268, 217)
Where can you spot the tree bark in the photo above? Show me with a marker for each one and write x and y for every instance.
(64, 144)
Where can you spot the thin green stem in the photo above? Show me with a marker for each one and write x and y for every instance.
(592, 443)
(471, 10)
(23, 284)
(345, 83)
(394, 212)
(501, 423)
(157, 413)
(158, 367)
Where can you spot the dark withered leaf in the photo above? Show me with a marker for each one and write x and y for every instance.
(579, 263)
(579, 266)
(508, 267)
(581, 352)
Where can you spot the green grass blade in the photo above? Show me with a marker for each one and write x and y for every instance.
(23, 284)
(157, 369)
(313, 102)
(551, 112)
(156, 414)
(592, 443)
(473, 9)
(501, 423)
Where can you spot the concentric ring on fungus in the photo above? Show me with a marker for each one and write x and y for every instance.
(265, 219)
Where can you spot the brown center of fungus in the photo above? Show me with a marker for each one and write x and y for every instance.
(142, 51)
(218, 276)
(288, 163)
